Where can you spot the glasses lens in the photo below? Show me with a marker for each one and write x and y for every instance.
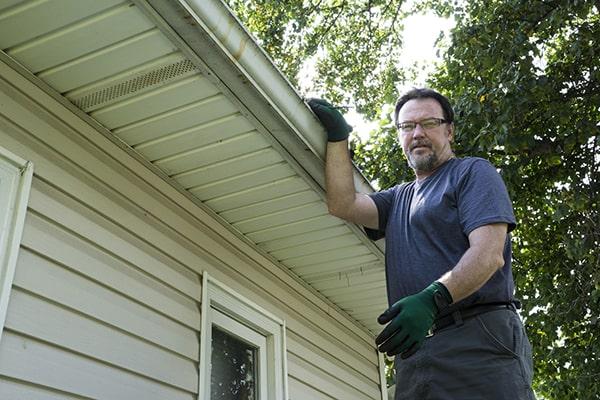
(430, 123)
(407, 126)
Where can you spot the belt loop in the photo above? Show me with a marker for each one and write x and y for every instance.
(458, 321)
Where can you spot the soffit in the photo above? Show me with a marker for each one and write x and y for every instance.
(113, 62)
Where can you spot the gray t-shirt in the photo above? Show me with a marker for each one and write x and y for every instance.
(426, 227)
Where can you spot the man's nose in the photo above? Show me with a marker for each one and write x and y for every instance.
(418, 132)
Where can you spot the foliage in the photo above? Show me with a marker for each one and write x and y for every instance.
(353, 43)
(524, 77)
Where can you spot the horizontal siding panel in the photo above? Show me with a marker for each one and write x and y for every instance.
(84, 222)
(178, 119)
(14, 389)
(312, 355)
(225, 169)
(69, 330)
(33, 19)
(329, 255)
(330, 268)
(348, 290)
(258, 194)
(355, 279)
(368, 312)
(358, 295)
(333, 243)
(243, 181)
(6, 4)
(304, 238)
(270, 206)
(301, 391)
(284, 217)
(212, 131)
(142, 48)
(167, 97)
(86, 36)
(198, 157)
(44, 278)
(331, 385)
(29, 360)
(84, 257)
(296, 228)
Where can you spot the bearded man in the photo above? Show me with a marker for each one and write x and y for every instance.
(452, 322)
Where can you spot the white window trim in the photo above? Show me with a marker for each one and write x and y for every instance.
(222, 306)
(15, 183)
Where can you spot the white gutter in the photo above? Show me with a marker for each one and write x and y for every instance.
(250, 57)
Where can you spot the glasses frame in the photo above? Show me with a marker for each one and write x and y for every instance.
(439, 122)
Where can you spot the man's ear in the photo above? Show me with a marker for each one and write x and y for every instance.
(451, 132)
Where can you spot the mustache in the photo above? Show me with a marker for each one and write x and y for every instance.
(424, 143)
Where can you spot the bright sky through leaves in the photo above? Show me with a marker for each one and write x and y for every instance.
(420, 35)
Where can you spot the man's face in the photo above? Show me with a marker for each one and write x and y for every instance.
(425, 149)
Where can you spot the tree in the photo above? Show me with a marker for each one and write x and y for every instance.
(524, 77)
(353, 44)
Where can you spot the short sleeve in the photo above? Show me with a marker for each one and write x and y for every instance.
(483, 199)
(383, 200)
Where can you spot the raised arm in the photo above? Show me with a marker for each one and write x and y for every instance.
(342, 199)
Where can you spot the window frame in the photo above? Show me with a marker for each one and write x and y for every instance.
(17, 174)
(229, 311)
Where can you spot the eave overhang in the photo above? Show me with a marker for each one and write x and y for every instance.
(183, 86)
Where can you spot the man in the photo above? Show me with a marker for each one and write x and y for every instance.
(452, 321)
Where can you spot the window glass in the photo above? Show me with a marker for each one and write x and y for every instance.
(234, 368)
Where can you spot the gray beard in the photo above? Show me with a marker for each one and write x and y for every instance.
(425, 164)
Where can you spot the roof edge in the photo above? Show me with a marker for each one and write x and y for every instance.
(243, 50)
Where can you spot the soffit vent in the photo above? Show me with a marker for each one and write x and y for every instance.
(91, 100)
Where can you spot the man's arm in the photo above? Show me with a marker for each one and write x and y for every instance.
(409, 319)
(477, 265)
(342, 199)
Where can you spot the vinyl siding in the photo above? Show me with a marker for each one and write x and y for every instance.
(106, 297)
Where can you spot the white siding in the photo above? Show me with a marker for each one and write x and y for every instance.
(105, 302)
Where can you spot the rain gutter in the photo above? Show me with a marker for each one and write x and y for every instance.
(210, 32)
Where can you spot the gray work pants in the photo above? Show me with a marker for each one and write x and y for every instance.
(488, 357)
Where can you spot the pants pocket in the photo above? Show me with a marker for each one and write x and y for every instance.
(505, 332)
(502, 329)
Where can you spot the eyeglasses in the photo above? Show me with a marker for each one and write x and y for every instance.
(426, 124)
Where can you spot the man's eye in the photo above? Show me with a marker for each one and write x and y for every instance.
(408, 126)
(429, 124)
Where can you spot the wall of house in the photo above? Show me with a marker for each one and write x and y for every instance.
(106, 297)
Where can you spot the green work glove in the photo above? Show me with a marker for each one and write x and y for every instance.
(336, 126)
(411, 318)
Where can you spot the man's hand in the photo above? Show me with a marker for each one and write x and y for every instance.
(336, 126)
(411, 318)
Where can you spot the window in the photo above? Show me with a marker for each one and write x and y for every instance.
(242, 348)
(15, 181)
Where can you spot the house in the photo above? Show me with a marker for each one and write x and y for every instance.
(163, 215)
